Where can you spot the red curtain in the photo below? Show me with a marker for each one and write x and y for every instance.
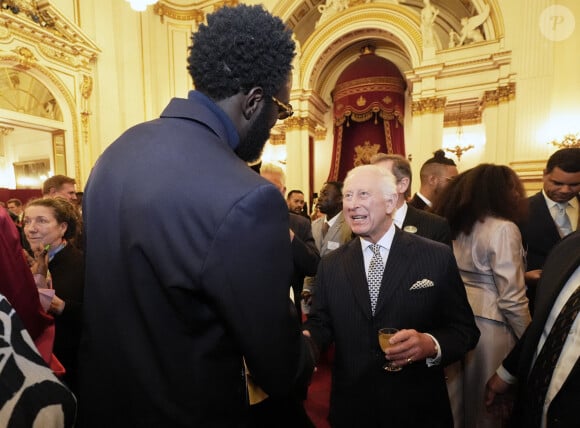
(368, 116)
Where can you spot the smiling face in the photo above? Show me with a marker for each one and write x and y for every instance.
(41, 227)
(369, 199)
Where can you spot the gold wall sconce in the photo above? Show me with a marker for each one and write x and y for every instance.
(568, 141)
(459, 150)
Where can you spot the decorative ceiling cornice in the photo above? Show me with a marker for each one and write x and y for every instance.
(463, 112)
(61, 41)
(195, 11)
(500, 95)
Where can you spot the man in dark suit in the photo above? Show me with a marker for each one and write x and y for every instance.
(174, 304)
(561, 185)
(559, 406)
(435, 174)
(420, 293)
(407, 217)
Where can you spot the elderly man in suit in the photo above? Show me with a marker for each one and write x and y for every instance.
(407, 217)
(388, 278)
(547, 371)
(553, 212)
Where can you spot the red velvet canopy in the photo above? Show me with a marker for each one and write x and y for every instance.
(369, 105)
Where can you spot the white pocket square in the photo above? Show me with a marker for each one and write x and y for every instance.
(424, 283)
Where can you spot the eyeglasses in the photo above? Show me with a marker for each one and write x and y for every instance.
(284, 110)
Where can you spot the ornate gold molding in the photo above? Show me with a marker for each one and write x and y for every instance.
(179, 13)
(296, 123)
(9, 60)
(278, 139)
(6, 130)
(500, 95)
(428, 105)
(463, 112)
(193, 12)
(25, 57)
(320, 133)
(390, 15)
(62, 41)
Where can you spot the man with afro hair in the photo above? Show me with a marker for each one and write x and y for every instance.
(187, 279)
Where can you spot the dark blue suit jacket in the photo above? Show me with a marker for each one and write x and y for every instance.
(363, 394)
(188, 263)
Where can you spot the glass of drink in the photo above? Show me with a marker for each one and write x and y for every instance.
(384, 335)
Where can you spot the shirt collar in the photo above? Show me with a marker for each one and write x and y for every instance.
(386, 241)
(232, 133)
(332, 220)
(399, 216)
(427, 201)
(550, 203)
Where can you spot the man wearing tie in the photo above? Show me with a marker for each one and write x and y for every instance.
(553, 212)
(388, 278)
(546, 361)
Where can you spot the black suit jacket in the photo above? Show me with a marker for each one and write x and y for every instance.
(427, 225)
(561, 263)
(304, 254)
(363, 394)
(67, 270)
(418, 203)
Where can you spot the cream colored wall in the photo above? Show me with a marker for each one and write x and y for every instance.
(142, 65)
(548, 86)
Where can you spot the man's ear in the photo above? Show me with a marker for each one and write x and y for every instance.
(252, 101)
(403, 185)
(432, 180)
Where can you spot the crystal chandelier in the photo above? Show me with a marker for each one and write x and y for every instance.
(140, 5)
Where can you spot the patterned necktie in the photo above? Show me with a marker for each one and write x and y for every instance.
(541, 373)
(562, 220)
(375, 274)
(325, 227)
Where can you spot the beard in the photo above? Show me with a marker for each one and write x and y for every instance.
(251, 146)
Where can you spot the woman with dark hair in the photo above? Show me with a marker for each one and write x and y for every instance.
(48, 224)
(483, 205)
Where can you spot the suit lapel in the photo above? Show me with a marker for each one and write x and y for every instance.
(356, 276)
(395, 269)
(317, 233)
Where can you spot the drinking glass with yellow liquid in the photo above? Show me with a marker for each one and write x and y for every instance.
(384, 335)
